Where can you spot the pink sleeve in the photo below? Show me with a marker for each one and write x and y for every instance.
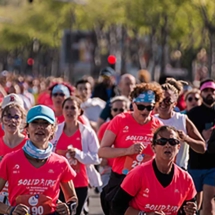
(3, 168)
(133, 181)
(191, 190)
(114, 125)
(68, 174)
(101, 132)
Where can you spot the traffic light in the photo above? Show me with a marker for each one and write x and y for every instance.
(112, 61)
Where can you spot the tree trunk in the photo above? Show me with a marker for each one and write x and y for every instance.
(164, 34)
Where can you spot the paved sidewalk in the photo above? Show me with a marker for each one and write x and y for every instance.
(95, 206)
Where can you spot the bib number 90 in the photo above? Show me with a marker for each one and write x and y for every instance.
(37, 210)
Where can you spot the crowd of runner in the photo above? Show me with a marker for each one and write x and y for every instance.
(146, 148)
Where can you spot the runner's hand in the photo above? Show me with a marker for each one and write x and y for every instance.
(21, 209)
(136, 148)
(71, 151)
(190, 208)
(183, 136)
(62, 208)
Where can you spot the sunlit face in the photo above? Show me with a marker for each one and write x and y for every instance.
(127, 85)
(193, 100)
(167, 152)
(84, 90)
(57, 99)
(118, 107)
(12, 120)
(40, 132)
(208, 96)
(142, 110)
(168, 103)
(71, 111)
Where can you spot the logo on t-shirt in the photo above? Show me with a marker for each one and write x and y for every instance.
(146, 192)
(33, 201)
(125, 129)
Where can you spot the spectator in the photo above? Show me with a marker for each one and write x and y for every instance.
(105, 89)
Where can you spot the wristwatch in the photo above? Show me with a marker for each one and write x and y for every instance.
(142, 213)
(72, 206)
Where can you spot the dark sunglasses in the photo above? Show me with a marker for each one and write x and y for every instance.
(143, 107)
(190, 99)
(58, 94)
(167, 101)
(118, 110)
(163, 141)
(9, 116)
(43, 123)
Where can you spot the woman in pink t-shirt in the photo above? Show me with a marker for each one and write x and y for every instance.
(130, 133)
(79, 144)
(119, 104)
(35, 174)
(12, 118)
(158, 186)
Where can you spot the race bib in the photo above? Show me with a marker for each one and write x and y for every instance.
(38, 204)
(75, 164)
(134, 160)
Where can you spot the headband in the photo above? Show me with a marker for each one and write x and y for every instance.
(146, 96)
(62, 89)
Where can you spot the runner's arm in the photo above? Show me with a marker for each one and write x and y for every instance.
(4, 209)
(106, 150)
(194, 138)
(69, 191)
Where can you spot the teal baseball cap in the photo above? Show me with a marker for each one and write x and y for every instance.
(40, 112)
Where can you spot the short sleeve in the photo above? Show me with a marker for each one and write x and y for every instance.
(191, 191)
(68, 174)
(101, 132)
(133, 181)
(3, 168)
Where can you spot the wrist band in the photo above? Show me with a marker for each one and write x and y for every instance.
(11, 212)
(142, 213)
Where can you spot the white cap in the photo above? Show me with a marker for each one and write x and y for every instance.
(12, 99)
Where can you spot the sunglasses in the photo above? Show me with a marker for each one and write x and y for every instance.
(118, 110)
(167, 101)
(43, 123)
(163, 141)
(143, 107)
(190, 99)
(58, 94)
(9, 116)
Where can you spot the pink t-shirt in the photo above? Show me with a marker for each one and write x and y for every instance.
(149, 195)
(5, 149)
(100, 135)
(128, 132)
(81, 180)
(37, 188)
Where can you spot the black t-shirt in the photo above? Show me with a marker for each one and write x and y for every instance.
(203, 118)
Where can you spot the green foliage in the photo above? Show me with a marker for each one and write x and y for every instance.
(45, 20)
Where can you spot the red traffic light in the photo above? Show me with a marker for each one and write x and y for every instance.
(111, 59)
(30, 61)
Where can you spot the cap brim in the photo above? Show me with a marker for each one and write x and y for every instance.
(41, 117)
